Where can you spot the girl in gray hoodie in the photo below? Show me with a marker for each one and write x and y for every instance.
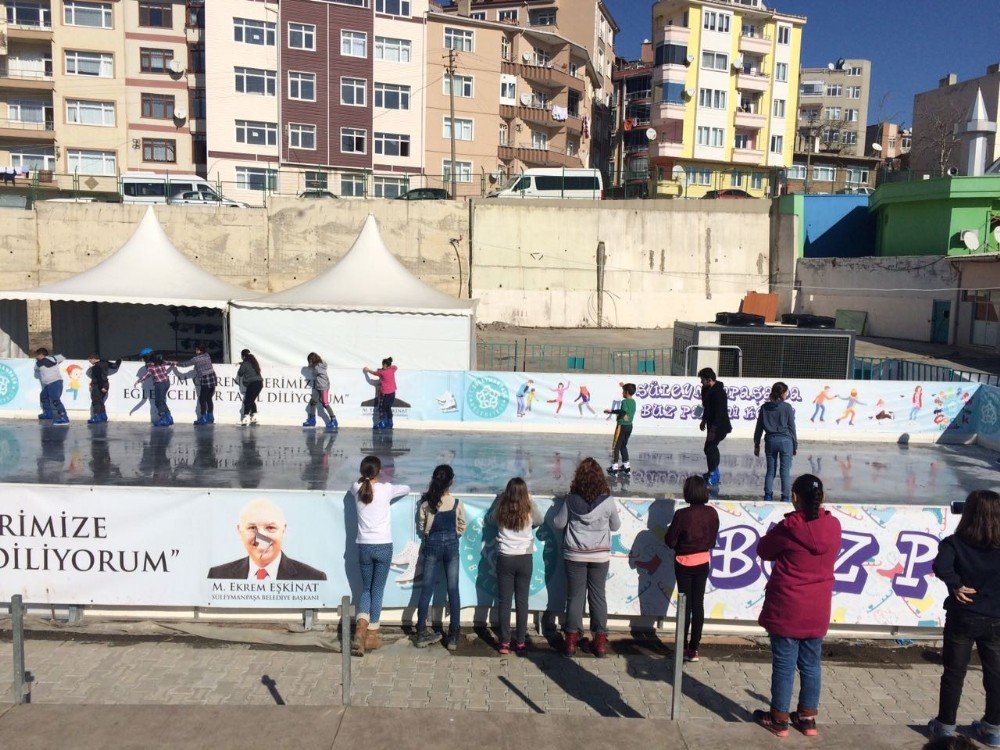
(320, 393)
(590, 515)
(776, 422)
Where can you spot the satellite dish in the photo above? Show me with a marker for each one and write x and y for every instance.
(738, 62)
(690, 59)
(526, 56)
(525, 99)
(176, 66)
(688, 93)
(840, 63)
(970, 238)
(952, 171)
(678, 174)
(651, 134)
(996, 233)
(877, 147)
(180, 113)
(831, 66)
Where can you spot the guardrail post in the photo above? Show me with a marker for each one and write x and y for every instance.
(75, 614)
(345, 650)
(309, 619)
(17, 632)
(675, 708)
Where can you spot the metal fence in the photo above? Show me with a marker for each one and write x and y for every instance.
(520, 356)
(868, 368)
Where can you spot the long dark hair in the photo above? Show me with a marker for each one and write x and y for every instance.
(370, 467)
(589, 481)
(248, 357)
(387, 362)
(441, 480)
(514, 506)
(808, 489)
(980, 523)
(778, 390)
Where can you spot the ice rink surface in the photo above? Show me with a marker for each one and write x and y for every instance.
(269, 457)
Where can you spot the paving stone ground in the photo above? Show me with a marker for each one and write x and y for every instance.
(862, 685)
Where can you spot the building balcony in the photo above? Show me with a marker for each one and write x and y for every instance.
(574, 125)
(669, 111)
(27, 131)
(13, 77)
(538, 157)
(673, 35)
(752, 120)
(752, 81)
(544, 75)
(536, 115)
(29, 32)
(194, 34)
(748, 156)
(758, 44)
(669, 150)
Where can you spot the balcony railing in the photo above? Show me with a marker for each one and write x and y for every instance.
(545, 157)
(546, 75)
(12, 71)
(27, 125)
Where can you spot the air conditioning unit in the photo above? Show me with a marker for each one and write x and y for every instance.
(180, 113)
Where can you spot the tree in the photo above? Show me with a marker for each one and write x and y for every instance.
(935, 146)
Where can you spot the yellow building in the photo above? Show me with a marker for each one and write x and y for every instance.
(725, 96)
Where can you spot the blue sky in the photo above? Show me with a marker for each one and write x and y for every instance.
(911, 43)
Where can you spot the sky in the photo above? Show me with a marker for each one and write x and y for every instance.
(911, 43)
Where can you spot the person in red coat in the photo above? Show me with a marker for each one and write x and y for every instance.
(797, 603)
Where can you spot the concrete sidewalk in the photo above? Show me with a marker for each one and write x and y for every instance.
(92, 727)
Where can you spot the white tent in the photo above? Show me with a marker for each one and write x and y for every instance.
(131, 299)
(364, 308)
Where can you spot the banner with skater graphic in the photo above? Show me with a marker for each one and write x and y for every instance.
(829, 410)
(249, 549)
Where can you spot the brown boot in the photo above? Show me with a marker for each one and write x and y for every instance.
(373, 641)
(571, 639)
(600, 647)
(360, 636)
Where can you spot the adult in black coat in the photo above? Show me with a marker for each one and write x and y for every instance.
(714, 420)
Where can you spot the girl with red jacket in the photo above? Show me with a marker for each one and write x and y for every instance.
(797, 602)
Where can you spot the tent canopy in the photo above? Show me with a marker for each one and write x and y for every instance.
(148, 269)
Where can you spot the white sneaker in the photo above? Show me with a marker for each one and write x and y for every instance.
(253, 419)
(244, 421)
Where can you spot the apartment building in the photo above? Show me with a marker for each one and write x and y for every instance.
(526, 93)
(633, 99)
(84, 88)
(725, 86)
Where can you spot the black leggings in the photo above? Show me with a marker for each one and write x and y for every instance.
(691, 582)
(385, 405)
(622, 433)
(250, 395)
(206, 398)
(514, 579)
(714, 437)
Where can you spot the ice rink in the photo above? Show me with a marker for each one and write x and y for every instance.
(290, 458)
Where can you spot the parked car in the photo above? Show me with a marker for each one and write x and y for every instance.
(730, 193)
(317, 193)
(425, 194)
(856, 191)
(197, 198)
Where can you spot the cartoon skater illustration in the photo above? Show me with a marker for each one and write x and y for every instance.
(584, 399)
(917, 401)
(880, 412)
(821, 398)
(73, 372)
(560, 391)
(530, 398)
(522, 393)
(850, 410)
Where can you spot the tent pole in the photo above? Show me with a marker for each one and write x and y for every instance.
(97, 328)
(225, 334)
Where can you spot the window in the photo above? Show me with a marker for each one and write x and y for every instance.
(712, 98)
(504, 48)
(196, 58)
(89, 64)
(545, 17)
(853, 92)
(256, 178)
(92, 162)
(257, 133)
(389, 187)
(702, 177)
(539, 139)
(33, 110)
(478, 15)
(157, 15)
(301, 36)
(33, 158)
(743, 141)
(196, 98)
(158, 107)
(757, 181)
(80, 112)
(392, 50)
(353, 141)
(673, 93)
(353, 92)
(824, 174)
(194, 18)
(392, 96)
(711, 136)
(541, 57)
(159, 149)
(462, 170)
(834, 89)
(463, 85)
(255, 81)
(354, 44)
(713, 21)
(302, 136)
(392, 144)
(508, 89)
(797, 172)
(856, 175)
(463, 129)
(249, 31)
(155, 60)
(352, 185)
(784, 34)
(504, 134)
(832, 113)
(94, 15)
(507, 16)
(831, 135)
(714, 60)
(779, 108)
(671, 54)
(736, 179)
(850, 138)
(459, 40)
(30, 14)
(777, 144)
(317, 180)
(392, 7)
(855, 71)
(302, 86)
(851, 115)
(781, 71)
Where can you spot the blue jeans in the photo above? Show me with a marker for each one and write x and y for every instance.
(787, 655)
(374, 560)
(436, 553)
(778, 448)
(52, 395)
(160, 398)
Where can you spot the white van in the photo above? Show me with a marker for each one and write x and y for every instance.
(553, 183)
(149, 187)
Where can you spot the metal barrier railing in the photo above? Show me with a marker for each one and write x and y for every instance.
(872, 368)
(519, 356)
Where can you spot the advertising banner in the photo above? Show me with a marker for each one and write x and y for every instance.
(251, 549)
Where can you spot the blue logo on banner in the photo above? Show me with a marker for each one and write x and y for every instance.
(8, 384)
(487, 397)
(987, 401)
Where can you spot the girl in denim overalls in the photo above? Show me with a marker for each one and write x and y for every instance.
(441, 521)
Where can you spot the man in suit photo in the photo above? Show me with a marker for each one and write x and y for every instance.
(262, 529)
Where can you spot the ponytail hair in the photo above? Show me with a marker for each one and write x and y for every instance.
(441, 480)
(247, 356)
(778, 390)
(387, 362)
(370, 467)
(808, 490)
